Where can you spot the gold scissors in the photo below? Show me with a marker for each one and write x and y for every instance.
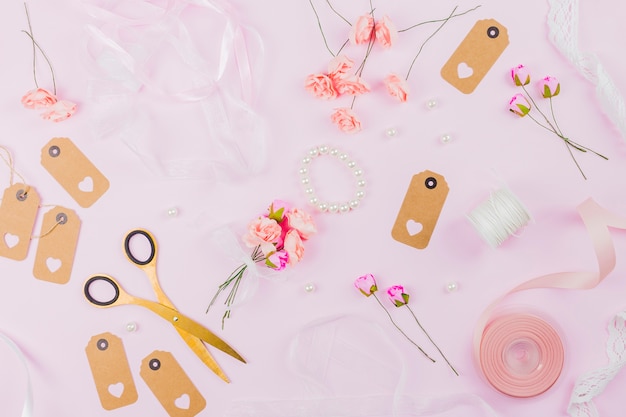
(193, 333)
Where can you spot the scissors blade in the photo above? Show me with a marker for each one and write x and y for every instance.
(201, 351)
(184, 323)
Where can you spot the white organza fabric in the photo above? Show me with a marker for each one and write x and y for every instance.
(592, 383)
(563, 20)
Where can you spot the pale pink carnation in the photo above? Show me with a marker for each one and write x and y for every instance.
(321, 86)
(59, 111)
(352, 85)
(301, 221)
(386, 32)
(397, 87)
(38, 98)
(294, 247)
(346, 120)
(263, 231)
(339, 66)
(362, 30)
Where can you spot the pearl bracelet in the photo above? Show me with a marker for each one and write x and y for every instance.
(333, 207)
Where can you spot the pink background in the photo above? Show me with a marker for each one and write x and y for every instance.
(490, 147)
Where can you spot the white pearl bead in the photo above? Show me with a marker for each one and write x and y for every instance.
(305, 181)
(333, 208)
(446, 138)
(172, 212)
(360, 194)
(131, 326)
(309, 190)
(351, 164)
(343, 156)
(314, 152)
(323, 149)
(303, 171)
(322, 207)
(360, 183)
(358, 172)
(334, 152)
(391, 132)
(451, 286)
(432, 103)
(344, 208)
(306, 160)
(354, 204)
(309, 287)
(313, 200)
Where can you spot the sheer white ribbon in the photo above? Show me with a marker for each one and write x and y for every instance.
(27, 410)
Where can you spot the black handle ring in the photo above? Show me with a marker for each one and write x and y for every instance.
(129, 253)
(98, 302)
(430, 183)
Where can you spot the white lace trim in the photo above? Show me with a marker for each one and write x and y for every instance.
(592, 383)
(563, 25)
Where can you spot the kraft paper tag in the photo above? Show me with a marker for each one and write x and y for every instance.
(420, 209)
(110, 370)
(476, 54)
(57, 245)
(18, 213)
(76, 174)
(171, 385)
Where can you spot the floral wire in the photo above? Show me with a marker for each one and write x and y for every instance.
(54, 84)
(343, 46)
(427, 39)
(431, 340)
(439, 20)
(337, 13)
(400, 330)
(30, 30)
(319, 24)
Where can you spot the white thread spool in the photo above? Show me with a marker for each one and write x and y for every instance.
(501, 216)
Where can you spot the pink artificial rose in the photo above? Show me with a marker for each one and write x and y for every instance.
(520, 75)
(293, 246)
(59, 111)
(361, 32)
(264, 232)
(550, 87)
(38, 99)
(277, 260)
(397, 87)
(366, 284)
(519, 105)
(339, 66)
(301, 221)
(386, 32)
(397, 296)
(346, 120)
(352, 85)
(321, 86)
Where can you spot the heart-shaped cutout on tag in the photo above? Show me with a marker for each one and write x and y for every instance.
(116, 390)
(86, 185)
(11, 240)
(464, 70)
(413, 227)
(53, 264)
(182, 402)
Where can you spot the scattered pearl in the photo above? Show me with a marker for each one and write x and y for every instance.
(446, 138)
(172, 212)
(309, 287)
(432, 103)
(452, 286)
(131, 326)
(391, 132)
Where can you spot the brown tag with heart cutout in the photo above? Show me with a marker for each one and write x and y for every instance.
(420, 209)
(18, 213)
(171, 385)
(110, 370)
(71, 168)
(475, 56)
(57, 245)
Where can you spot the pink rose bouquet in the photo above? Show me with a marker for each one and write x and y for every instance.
(523, 104)
(277, 241)
(41, 98)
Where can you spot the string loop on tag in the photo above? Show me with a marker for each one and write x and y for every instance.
(8, 160)
(500, 217)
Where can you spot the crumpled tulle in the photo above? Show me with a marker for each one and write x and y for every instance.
(563, 26)
(174, 80)
(350, 368)
(592, 383)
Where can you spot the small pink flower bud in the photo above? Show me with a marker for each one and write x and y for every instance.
(519, 105)
(397, 295)
(366, 284)
(520, 75)
(550, 87)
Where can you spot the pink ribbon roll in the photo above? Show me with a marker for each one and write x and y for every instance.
(522, 355)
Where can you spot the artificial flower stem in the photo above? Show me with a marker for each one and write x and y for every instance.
(319, 24)
(400, 330)
(576, 162)
(30, 31)
(427, 39)
(54, 84)
(539, 110)
(438, 20)
(337, 13)
(431, 340)
(566, 140)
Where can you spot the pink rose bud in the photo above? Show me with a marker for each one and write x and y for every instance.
(397, 295)
(520, 75)
(346, 120)
(362, 30)
(366, 284)
(277, 260)
(339, 66)
(397, 87)
(386, 32)
(38, 99)
(519, 105)
(550, 87)
(321, 86)
(59, 111)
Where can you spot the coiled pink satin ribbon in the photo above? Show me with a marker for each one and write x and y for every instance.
(491, 341)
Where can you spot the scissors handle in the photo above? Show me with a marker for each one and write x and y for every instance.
(129, 252)
(108, 280)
